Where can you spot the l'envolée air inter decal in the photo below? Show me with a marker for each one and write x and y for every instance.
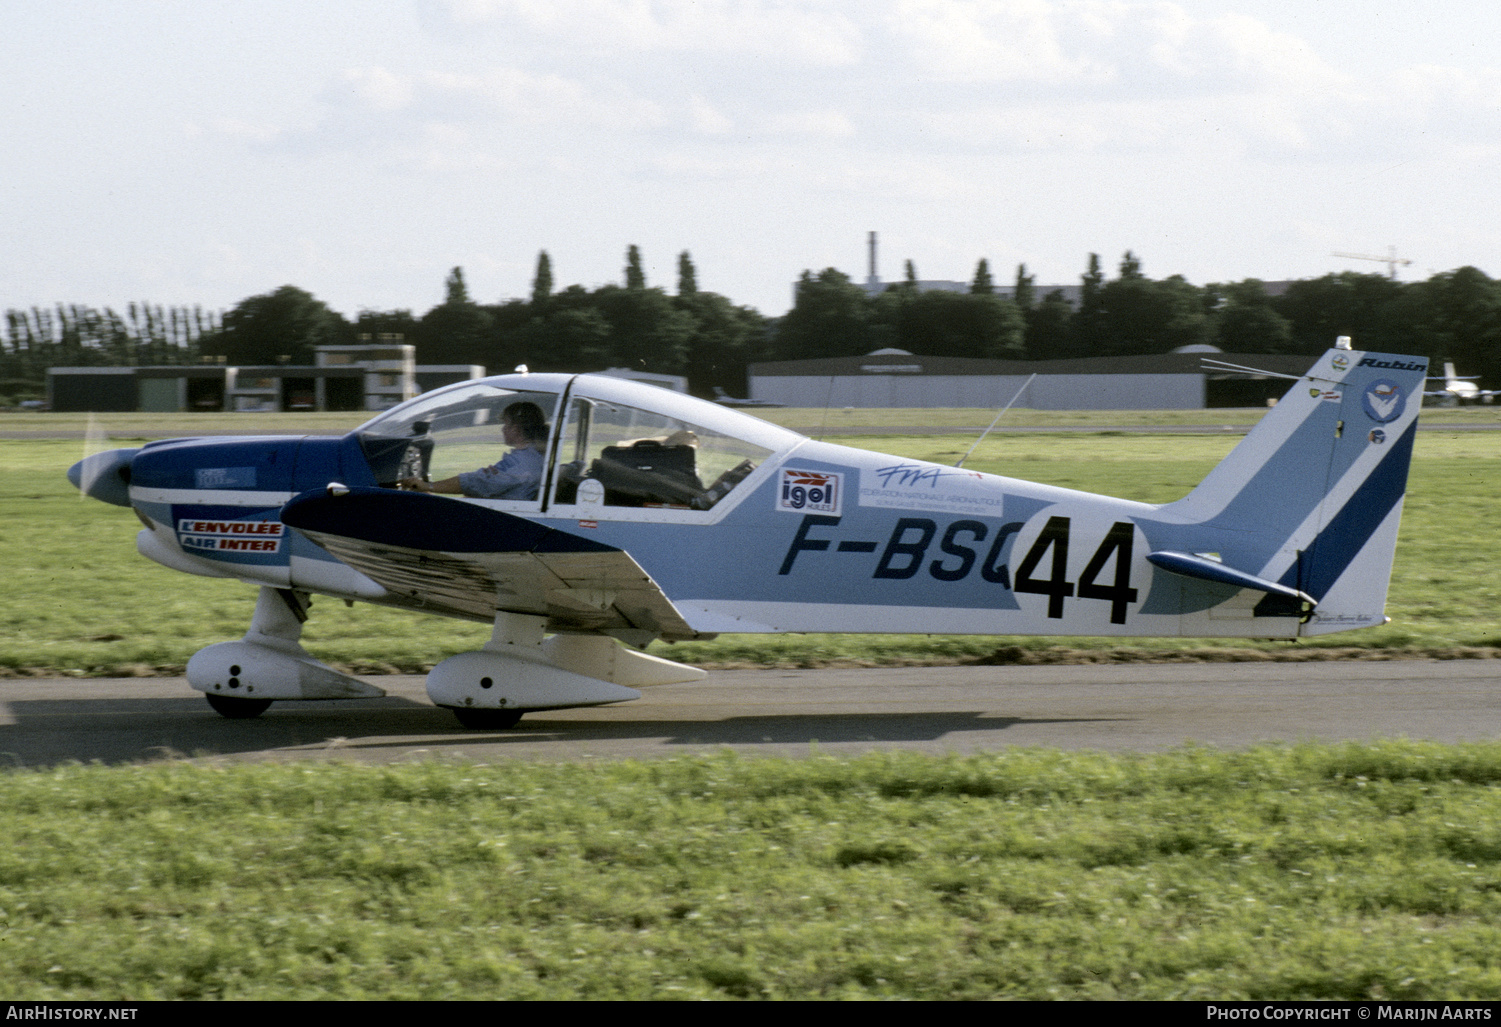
(231, 536)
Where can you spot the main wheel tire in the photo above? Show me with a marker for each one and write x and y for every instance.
(236, 708)
(486, 720)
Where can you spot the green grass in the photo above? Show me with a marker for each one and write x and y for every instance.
(1311, 872)
(76, 589)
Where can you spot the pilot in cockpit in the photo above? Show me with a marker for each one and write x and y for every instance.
(517, 476)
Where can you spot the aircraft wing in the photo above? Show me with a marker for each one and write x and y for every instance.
(471, 561)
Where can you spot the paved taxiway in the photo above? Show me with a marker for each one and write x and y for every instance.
(1140, 707)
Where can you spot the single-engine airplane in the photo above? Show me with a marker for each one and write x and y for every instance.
(661, 516)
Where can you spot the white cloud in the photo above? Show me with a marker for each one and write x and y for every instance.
(511, 94)
(522, 96)
(234, 128)
(831, 124)
(378, 88)
(1251, 125)
(1150, 46)
(1430, 90)
(1233, 52)
(706, 118)
(988, 41)
(801, 30)
(1117, 76)
(1099, 76)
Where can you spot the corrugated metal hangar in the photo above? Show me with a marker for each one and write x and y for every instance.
(892, 378)
(362, 377)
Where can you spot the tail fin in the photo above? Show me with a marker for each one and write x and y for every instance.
(1312, 497)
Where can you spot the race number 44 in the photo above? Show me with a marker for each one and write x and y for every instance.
(1054, 540)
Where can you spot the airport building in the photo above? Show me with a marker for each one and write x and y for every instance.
(375, 374)
(894, 378)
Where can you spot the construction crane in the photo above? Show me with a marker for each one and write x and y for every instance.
(1391, 260)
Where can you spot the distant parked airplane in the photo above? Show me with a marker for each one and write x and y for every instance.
(1458, 391)
(725, 399)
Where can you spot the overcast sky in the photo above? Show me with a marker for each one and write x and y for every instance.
(203, 151)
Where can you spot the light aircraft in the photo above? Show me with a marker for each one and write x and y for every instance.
(1457, 391)
(661, 516)
(725, 399)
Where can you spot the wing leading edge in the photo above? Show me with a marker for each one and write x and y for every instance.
(472, 561)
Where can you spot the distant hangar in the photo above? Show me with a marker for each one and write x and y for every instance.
(370, 376)
(894, 378)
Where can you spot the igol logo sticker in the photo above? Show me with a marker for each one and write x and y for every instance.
(811, 491)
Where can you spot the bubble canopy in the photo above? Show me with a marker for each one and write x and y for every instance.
(609, 442)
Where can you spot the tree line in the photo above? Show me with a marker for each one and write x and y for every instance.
(709, 339)
(75, 336)
(701, 335)
(698, 334)
(1455, 316)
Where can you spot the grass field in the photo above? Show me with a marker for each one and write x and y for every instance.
(1350, 872)
(76, 588)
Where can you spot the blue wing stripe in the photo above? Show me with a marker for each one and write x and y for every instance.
(416, 520)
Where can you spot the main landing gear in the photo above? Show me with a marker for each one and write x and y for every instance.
(521, 668)
(487, 720)
(235, 708)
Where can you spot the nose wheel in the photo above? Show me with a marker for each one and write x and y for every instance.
(236, 708)
(486, 720)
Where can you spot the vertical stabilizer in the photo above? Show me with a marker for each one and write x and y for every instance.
(1312, 497)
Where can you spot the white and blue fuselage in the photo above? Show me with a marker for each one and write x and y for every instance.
(659, 515)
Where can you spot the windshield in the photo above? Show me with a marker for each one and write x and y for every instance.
(451, 432)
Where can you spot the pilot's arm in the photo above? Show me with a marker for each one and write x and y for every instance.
(449, 486)
(516, 477)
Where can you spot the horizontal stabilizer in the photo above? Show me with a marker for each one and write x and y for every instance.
(1205, 569)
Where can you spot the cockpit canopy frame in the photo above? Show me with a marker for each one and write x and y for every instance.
(612, 443)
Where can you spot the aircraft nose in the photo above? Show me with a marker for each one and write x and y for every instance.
(104, 476)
